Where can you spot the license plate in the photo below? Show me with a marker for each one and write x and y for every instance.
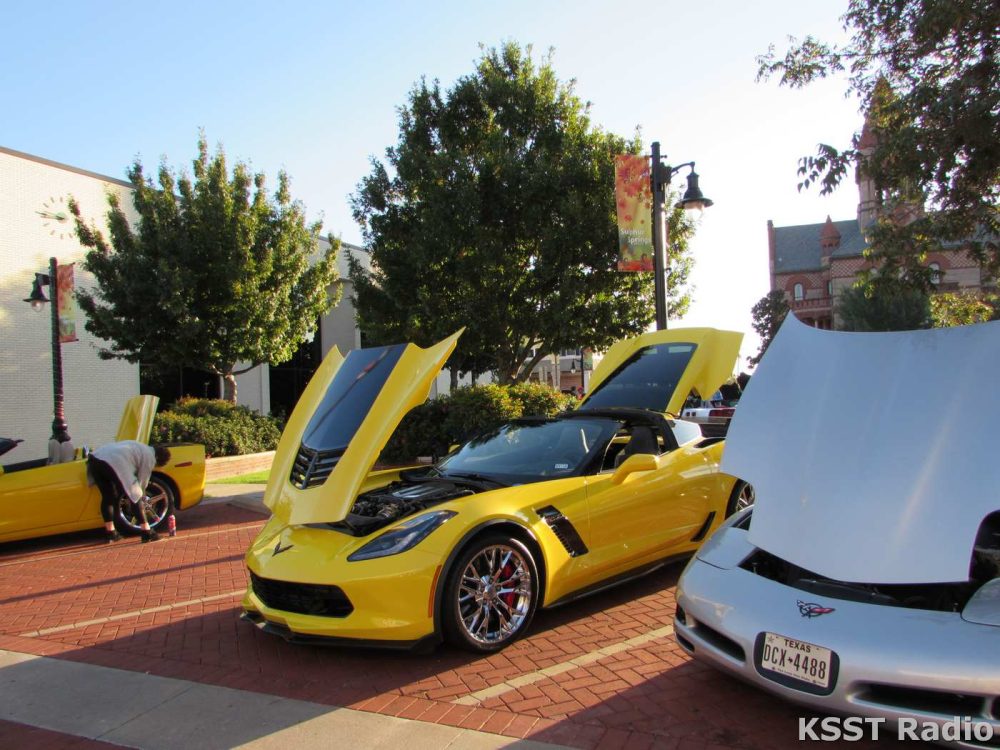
(797, 659)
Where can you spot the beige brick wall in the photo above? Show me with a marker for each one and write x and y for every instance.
(231, 466)
(95, 390)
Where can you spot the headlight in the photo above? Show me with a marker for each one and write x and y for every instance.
(403, 537)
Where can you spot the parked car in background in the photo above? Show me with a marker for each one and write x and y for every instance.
(40, 499)
(531, 514)
(713, 415)
(866, 579)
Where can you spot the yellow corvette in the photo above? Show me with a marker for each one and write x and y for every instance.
(39, 499)
(534, 513)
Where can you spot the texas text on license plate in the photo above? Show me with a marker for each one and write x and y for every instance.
(797, 659)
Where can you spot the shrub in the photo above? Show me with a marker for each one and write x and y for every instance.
(224, 429)
(430, 429)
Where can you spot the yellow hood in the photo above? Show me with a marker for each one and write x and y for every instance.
(340, 424)
(657, 370)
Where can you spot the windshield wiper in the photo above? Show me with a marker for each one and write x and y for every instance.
(475, 477)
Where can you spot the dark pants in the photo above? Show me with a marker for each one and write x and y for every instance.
(109, 485)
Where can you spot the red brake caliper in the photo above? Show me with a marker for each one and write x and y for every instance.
(506, 573)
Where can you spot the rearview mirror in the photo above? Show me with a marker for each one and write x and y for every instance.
(632, 464)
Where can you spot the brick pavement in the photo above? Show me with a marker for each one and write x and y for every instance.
(171, 609)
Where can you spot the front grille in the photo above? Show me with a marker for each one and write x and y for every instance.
(311, 468)
(301, 598)
(936, 702)
(724, 644)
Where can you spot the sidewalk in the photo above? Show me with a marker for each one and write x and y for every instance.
(248, 496)
(132, 709)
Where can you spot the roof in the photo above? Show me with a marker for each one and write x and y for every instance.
(798, 248)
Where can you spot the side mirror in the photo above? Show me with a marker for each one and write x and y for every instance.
(633, 464)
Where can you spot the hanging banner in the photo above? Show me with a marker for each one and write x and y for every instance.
(66, 303)
(634, 199)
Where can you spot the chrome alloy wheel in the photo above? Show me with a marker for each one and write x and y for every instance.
(494, 594)
(746, 498)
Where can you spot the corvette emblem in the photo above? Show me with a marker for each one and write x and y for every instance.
(810, 610)
(278, 549)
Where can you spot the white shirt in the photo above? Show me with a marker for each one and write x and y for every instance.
(132, 462)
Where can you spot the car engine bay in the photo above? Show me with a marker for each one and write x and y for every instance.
(379, 507)
(942, 597)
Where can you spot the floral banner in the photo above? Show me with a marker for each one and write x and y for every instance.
(634, 199)
(66, 303)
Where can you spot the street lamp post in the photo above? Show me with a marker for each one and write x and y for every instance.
(37, 301)
(660, 175)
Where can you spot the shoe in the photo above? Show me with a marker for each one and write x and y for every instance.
(150, 536)
(112, 536)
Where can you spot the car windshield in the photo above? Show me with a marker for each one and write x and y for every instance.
(530, 451)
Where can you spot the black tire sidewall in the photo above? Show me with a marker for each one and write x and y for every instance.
(734, 497)
(454, 630)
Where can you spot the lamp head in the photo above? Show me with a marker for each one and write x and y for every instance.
(38, 299)
(693, 197)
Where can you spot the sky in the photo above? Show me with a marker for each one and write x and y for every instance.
(314, 88)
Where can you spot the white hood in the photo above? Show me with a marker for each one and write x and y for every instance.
(873, 455)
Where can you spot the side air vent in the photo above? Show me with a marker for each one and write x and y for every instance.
(565, 532)
(311, 468)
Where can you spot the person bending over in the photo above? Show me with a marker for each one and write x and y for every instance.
(123, 469)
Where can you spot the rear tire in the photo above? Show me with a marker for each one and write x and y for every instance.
(742, 496)
(491, 594)
(162, 502)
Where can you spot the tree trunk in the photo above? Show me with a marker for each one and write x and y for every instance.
(229, 387)
(454, 378)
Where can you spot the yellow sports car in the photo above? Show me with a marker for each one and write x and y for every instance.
(39, 499)
(533, 513)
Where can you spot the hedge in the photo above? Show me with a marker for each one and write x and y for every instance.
(430, 429)
(224, 429)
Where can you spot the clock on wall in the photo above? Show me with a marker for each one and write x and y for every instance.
(56, 218)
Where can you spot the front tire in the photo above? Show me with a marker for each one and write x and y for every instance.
(742, 496)
(162, 502)
(491, 594)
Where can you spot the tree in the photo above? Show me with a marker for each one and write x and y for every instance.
(495, 211)
(215, 273)
(768, 315)
(927, 73)
(883, 305)
(963, 308)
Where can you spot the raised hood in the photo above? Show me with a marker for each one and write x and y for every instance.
(658, 370)
(873, 455)
(340, 424)
(137, 419)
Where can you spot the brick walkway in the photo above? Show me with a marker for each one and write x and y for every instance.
(601, 673)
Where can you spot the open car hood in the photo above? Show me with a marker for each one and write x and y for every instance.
(658, 370)
(340, 424)
(873, 455)
(137, 419)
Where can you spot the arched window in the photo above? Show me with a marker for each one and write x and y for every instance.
(798, 293)
(935, 272)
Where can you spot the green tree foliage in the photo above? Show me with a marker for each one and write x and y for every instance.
(963, 308)
(214, 274)
(768, 315)
(927, 73)
(884, 304)
(495, 211)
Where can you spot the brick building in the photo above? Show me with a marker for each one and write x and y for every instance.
(814, 263)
